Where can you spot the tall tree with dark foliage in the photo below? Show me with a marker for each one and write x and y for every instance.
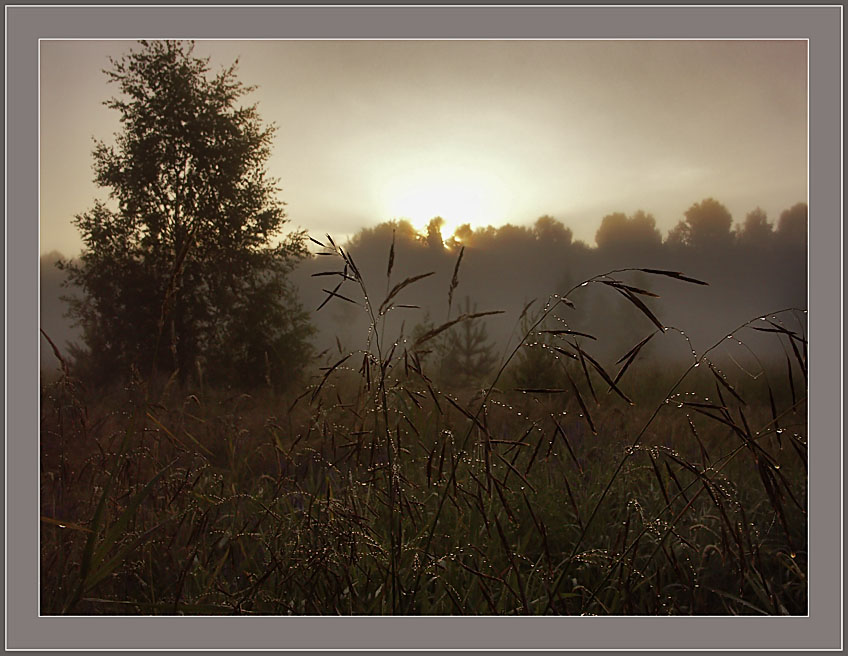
(185, 268)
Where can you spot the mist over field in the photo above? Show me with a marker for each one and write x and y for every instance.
(755, 268)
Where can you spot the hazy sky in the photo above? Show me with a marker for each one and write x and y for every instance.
(485, 132)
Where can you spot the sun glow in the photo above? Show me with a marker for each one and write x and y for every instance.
(457, 194)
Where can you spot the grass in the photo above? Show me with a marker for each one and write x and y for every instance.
(637, 487)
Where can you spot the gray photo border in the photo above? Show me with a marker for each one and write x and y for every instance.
(820, 630)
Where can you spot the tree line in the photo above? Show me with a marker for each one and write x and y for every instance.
(752, 267)
(706, 224)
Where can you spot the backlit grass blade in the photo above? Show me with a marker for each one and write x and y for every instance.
(583, 407)
(674, 274)
(400, 286)
(630, 296)
(455, 278)
(630, 356)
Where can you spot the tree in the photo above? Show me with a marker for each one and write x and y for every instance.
(550, 231)
(469, 356)
(464, 234)
(536, 364)
(792, 225)
(678, 236)
(707, 224)
(756, 231)
(187, 267)
(463, 355)
(621, 233)
(376, 237)
(434, 237)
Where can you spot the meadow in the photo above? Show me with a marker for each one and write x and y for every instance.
(657, 481)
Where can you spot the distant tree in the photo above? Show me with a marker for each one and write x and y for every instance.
(460, 357)
(644, 229)
(705, 224)
(490, 233)
(708, 224)
(618, 232)
(434, 233)
(513, 234)
(551, 231)
(468, 355)
(189, 267)
(402, 230)
(611, 228)
(464, 234)
(756, 231)
(435, 347)
(792, 225)
(678, 236)
(536, 364)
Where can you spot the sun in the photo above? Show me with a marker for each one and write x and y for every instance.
(458, 194)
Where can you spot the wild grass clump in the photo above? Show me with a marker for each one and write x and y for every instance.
(568, 483)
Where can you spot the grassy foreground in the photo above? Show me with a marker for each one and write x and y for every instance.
(632, 487)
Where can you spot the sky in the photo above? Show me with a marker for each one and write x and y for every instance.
(479, 132)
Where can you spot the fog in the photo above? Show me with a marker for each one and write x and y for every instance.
(752, 267)
(748, 274)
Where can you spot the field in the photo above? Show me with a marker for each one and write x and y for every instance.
(559, 483)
